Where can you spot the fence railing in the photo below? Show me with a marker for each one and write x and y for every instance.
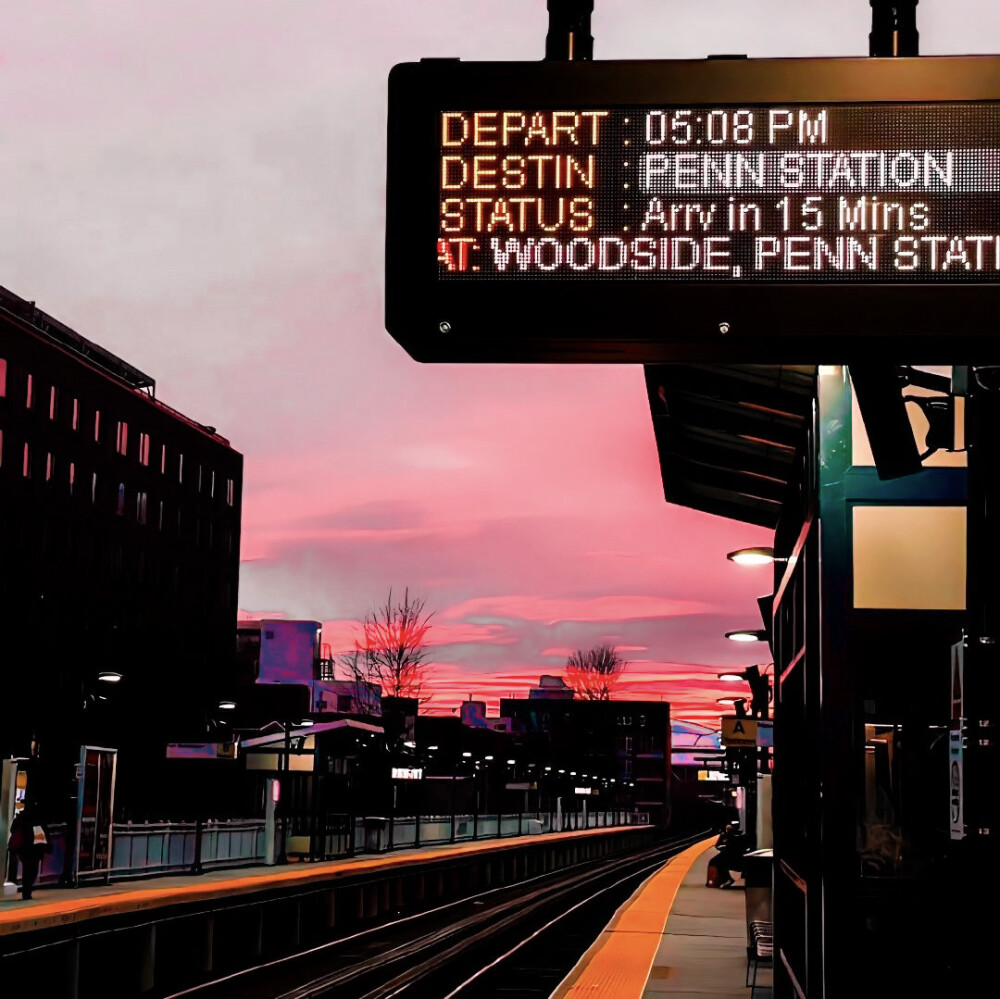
(148, 849)
(145, 849)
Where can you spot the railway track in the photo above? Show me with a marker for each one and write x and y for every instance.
(515, 942)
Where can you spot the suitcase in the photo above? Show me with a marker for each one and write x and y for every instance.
(714, 877)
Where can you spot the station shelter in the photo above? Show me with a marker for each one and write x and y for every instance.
(865, 620)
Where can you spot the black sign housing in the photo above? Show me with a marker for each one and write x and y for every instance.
(750, 211)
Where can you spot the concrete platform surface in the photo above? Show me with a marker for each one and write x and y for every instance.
(674, 937)
(53, 906)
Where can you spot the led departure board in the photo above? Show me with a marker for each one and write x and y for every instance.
(711, 210)
(793, 193)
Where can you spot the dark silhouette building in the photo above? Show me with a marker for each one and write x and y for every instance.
(119, 541)
(626, 743)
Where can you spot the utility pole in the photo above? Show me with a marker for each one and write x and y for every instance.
(569, 38)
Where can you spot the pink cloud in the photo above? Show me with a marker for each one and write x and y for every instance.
(554, 609)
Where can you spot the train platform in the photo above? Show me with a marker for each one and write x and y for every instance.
(51, 907)
(673, 938)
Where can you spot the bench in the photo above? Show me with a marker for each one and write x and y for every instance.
(760, 950)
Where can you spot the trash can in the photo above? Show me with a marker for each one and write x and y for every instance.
(758, 879)
(375, 833)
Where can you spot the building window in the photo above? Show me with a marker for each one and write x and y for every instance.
(120, 508)
(26, 467)
(93, 487)
(230, 492)
(344, 704)
(72, 477)
(121, 437)
(269, 634)
(200, 470)
(29, 398)
(143, 449)
(53, 403)
(48, 467)
(76, 414)
(163, 460)
(211, 483)
(97, 425)
(180, 468)
(3, 377)
(140, 507)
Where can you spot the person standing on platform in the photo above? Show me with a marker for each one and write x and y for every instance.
(29, 839)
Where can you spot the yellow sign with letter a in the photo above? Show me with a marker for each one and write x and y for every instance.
(739, 731)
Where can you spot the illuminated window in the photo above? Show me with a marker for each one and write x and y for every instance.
(48, 467)
(53, 403)
(97, 425)
(211, 484)
(29, 397)
(76, 414)
(93, 487)
(120, 508)
(72, 477)
(199, 477)
(163, 460)
(121, 437)
(26, 466)
(3, 377)
(180, 468)
(159, 524)
(143, 449)
(230, 492)
(140, 507)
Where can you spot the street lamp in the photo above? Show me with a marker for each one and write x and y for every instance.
(747, 635)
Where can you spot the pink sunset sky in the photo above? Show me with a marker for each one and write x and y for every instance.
(198, 185)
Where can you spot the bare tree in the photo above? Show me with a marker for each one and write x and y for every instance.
(393, 651)
(594, 674)
(365, 694)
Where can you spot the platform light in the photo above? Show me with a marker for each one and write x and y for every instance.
(731, 677)
(753, 556)
(511, 762)
(466, 755)
(410, 745)
(305, 723)
(547, 769)
(109, 676)
(488, 758)
(227, 705)
(747, 635)
(430, 749)
(562, 771)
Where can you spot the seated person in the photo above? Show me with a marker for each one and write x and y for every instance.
(731, 845)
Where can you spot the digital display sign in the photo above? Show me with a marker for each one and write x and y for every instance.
(795, 193)
(776, 210)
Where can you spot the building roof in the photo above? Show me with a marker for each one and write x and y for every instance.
(727, 435)
(277, 738)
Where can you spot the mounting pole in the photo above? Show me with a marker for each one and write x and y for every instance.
(894, 28)
(569, 38)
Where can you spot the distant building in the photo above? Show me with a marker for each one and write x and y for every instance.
(627, 742)
(551, 688)
(119, 541)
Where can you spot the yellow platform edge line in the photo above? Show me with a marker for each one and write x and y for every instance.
(618, 963)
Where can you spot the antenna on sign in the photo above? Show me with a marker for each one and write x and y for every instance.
(569, 38)
(894, 28)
